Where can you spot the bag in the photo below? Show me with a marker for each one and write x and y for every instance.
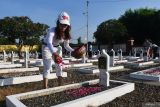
(79, 52)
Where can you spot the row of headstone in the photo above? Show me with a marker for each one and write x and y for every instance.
(12, 55)
(26, 58)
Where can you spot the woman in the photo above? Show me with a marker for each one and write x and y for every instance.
(51, 47)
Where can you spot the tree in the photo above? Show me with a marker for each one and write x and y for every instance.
(22, 29)
(142, 23)
(111, 31)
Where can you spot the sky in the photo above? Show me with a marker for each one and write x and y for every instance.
(47, 11)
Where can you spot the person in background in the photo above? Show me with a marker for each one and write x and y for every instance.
(148, 47)
(51, 47)
(155, 50)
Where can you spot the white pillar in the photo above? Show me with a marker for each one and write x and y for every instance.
(36, 56)
(134, 51)
(145, 58)
(26, 59)
(103, 65)
(120, 54)
(12, 57)
(4, 56)
(112, 56)
(84, 58)
(98, 53)
(141, 54)
(70, 54)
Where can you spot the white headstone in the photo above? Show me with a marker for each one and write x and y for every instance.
(70, 54)
(145, 58)
(26, 59)
(120, 54)
(134, 51)
(103, 65)
(84, 59)
(112, 56)
(12, 57)
(141, 53)
(98, 53)
(4, 56)
(36, 55)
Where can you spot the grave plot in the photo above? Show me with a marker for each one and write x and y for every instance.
(16, 70)
(91, 60)
(31, 62)
(156, 60)
(94, 69)
(39, 62)
(132, 58)
(135, 59)
(24, 77)
(9, 65)
(149, 74)
(68, 58)
(3, 63)
(76, 64)
(138, 64)
(98, 95)
(74, 59)
(120, 61)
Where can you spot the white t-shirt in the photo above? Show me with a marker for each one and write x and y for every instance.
(51, 41)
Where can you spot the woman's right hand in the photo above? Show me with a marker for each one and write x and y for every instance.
(57, 58)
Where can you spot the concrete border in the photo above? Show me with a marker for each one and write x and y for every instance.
(139, 64)
(91, 100)
(10, 65)
(140, 75)
(5, 63)
(120, 61)
(89, 70)
(13, 70)
(77, 65)
(91, 60)
(25, 79)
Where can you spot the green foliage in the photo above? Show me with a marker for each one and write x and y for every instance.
(21, 28)
(5, 41)
(111, 31)
(142, 23)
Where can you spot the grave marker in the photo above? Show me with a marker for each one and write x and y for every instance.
(36, 56)
(12, 57)
(135, 52)
(112, 56)
(141, 54)
(26, 59)
(84, 59)
(103, 65)
(145, 56)
(120, 54)
(4, 55)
